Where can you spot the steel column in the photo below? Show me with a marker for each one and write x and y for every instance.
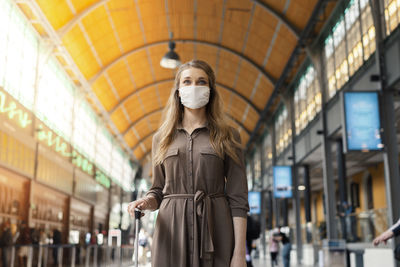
(295, 188)
(388, 118)
(341, 171)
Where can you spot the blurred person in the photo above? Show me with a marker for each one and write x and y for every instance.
(252, 233)
(199, 179)
(287, 246)
(273, 249)
(24, 240)
(6, 241)
(57, 240)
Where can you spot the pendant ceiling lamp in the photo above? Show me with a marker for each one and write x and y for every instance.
(171, 59)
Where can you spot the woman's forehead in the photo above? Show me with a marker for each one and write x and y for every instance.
(193, 73)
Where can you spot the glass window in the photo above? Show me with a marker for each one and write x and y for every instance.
(283, 130)
(85, 127)
(307, 99)
(392, 14)
(349, 44)
(18, 54)
(103, 150)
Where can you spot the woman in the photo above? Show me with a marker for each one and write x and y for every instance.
(199, 181)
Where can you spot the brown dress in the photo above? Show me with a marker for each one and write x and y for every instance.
(198, 193)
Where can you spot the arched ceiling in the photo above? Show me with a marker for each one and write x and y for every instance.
(117, 46)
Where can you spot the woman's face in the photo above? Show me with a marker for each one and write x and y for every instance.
(193, 76)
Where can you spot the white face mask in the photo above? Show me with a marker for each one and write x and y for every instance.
(194, 97)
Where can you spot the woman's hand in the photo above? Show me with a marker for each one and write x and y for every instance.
(146, 203)
(384, 237)
(238, 261)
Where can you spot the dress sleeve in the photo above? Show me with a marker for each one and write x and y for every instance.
(157, 186)
(396, 228)
(236, 182)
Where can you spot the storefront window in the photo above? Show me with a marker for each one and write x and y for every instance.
(349, 44)
(307, 99)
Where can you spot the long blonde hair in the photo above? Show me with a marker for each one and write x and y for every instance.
(221, 134)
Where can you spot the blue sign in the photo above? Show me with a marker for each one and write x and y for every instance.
(255, 202)
(362, 121)
(282, 181)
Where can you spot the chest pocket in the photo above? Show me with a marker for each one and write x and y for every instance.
(209, 152)
(171, 155)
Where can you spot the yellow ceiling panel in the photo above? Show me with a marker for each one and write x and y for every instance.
(154, 20)
(277, 5)
(298, 12)
(103, 91)
(164, 90)
(139, 64)
(148, 141)
(182, 19)
(246, 80)
(74, 41)
(262, 93)
(209, 14)
(57, 12)
(236, 20)
(143, 128)
(127, 24)
(154, 120)
(251, 119)
(134, 108)
(227, 68)
(244, 137)
(283, 47)
(98, 27)
(130, 138)
(224, 95)
(208, 54)
(121, 78)
(119, 119)
(156, 54)
(260, 35)
(150, 99)
(138, 152)
(185, 51)
(237, 109)
(81, 5)
(208, 28)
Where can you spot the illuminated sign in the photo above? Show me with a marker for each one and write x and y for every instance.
(282, 181)
(56, 142)
(11, 109)
(362, 121)
(53, 140)
(82, 163)
(255, 202)
(102, 179)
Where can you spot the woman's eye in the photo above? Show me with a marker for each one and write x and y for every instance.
(186, 82)
(202, 82)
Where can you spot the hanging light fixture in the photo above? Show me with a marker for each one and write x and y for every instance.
(171, 59)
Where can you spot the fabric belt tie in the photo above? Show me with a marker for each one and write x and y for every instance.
(202, 209)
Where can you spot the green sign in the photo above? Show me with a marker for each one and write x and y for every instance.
(103, 179)
(10, 107)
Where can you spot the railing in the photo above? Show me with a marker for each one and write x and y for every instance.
(68, 255)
